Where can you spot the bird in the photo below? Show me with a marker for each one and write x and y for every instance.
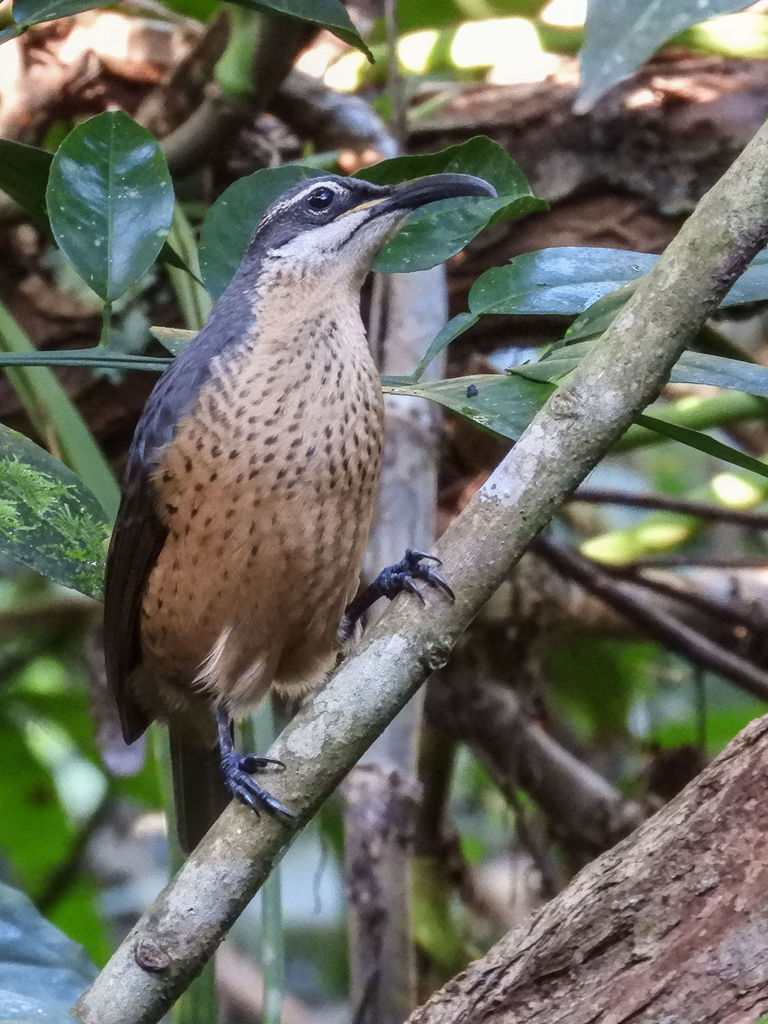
(249, 490)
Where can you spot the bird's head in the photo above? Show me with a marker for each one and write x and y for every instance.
(338, 225)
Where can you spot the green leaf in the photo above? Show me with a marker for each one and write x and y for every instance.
(562, 281)
(506, 403)
(596, 680)
(31, 808)
(200, 9)
(230, 222)
(32, 12)
(434, 233)
(502, 404)
(10, 32)
(78, 913)
(194, 301)
(433, 14)
(110, 201)
(456, 325)
(52, 412)
(723, 723)
(752, 286)
(621, 34)
(67, 709)
(24, 175)
(703, 443)
(479, 155)
(691, 368)
(42, 973)
(702, 368)
(330, 14)
(438, 231)
(174, 339)
(593, 282)
(49, 520)
(171, 258)
(554, 365)
(594, 321)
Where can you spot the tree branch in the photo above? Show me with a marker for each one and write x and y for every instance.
(582, 419)
(668, 925)
(582, 805)
(407, 311)
(668, 503)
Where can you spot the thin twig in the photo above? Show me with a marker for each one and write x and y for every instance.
(723, 613)
(698, 561)
(634, 601)
(395, 80)
(666, 503)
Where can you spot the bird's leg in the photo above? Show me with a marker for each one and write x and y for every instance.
(390, 582)
(237, 768)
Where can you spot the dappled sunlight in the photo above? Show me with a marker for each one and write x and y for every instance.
(736, 491)
(564, 13)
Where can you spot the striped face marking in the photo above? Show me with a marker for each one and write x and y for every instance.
(297, 201)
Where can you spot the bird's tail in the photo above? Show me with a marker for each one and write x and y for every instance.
(199, 792)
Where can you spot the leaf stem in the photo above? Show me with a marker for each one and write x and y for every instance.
(106, 325)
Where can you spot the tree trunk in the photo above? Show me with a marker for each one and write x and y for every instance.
(381, 794)
(671, 925)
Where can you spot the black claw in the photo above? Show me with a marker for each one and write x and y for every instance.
(407, 584)
(412, 556)
(237, 769)
(252, 763)
(390, 582)
(396, 578)
(430, 576)
(240, 784)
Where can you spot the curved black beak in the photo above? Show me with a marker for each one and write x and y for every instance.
(412, 194)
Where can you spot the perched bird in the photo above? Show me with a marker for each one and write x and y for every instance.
(249, 491)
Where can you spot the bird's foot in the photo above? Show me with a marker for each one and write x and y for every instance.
(237, 770)
(394, 579)
(390, 582)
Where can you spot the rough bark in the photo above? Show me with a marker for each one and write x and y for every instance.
(379, 812)
(670, 925)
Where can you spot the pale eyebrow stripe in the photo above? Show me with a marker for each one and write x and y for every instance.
(316, 183)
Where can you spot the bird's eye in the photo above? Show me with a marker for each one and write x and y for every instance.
(320, 199)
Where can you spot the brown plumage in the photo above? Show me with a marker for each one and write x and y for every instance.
(250, 486)
(268, 492)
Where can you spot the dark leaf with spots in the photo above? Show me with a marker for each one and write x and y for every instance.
(49, 520)
(110, 201)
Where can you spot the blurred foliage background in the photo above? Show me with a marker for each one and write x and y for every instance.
(631, 636)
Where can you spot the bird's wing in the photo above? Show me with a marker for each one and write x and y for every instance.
(139, 532)
(137, 539)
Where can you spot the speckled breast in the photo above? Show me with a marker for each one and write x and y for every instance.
(267, 490)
